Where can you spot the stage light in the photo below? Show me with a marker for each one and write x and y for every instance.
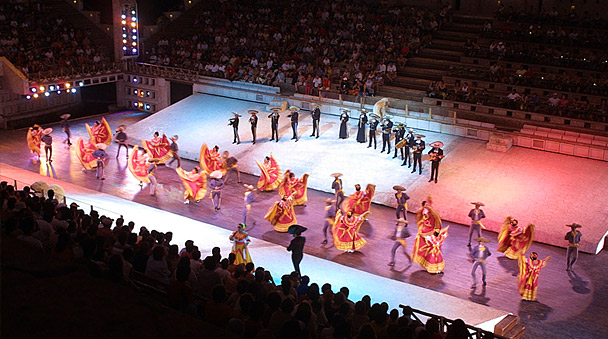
(51, 88)
(134, 43)
(124, 48)
(35, 95)
(148, 93)
(124, 41)
(68, 85)
(124, 35)
(58, 92)
(42, 88)
(134, 80)
(46, 94)
(147, 107)
(141, 104)
(133, 11)
(134, 50)
(134, 31)
(123, 16)
(28, 97)
(33, 89)
(73, 90)
(80, 83)
(124, 28)
(134, 37)
(133, 24)
(133, 18)
(135, 104)
(124, 22)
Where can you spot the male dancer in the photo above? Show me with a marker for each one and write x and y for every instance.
(121, 137)
(387, 127)
(253, 120)
(402, 199)
(100, 154)
(410, 142)
(336, 185)
(296, 246)
(47, 140)
(417, 151)
(435, 156)
(65, 124)
(274, 123)
(316, 119)
(294, 121)
(401, 233)
(152, 175)
(234, 122)
(574, 239)
(479, 254)
(215, 186)
(373, 125)
(249, 198)
(399, 135)
(476, 214)
(174, 149)
(330, 216)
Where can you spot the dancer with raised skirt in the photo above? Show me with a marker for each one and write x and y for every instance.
(195, 183)
(430, 238)
(100, 132)
(211, 160)
(346, 231)
(158, 148)
(298, 186)
(360, 201)
(281, 215)
(270, 178)
(514, 240)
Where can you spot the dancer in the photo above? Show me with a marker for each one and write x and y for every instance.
(240, 240)
(249, 198)
(231, 164)
(47, 140)
(100, 132)
(34, 134)
(121, 138)
(344, 124)
(336, 185)
(399, 137)
(194, 182)
(296, 246)
(291, 184)
(294, 121)
(417, 149)
(527, 279)
(574, 239)
(361, 126)
(174, 152)
(401, 233)
(253, 120)
(373, 125)
(274, 123)
(346, 231)
(427, 246)
(514, 240)
(409, 143)
(65, 125)
(84, 152)
(330, 217)
(234, 122)
(211, 160)
(281, 215)
(387, 127)
(158, 148)
(316, 120)
(271, 175)
(359, 202)
(476, 214)
(152, 175)
(479, 254)
(402, 199)
(216, 184)
(100, 155)
(138, 165)
(435, 156)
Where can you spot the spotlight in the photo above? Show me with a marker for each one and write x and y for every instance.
(148, 93)
(135, 92)
(42, 88)
(147, 107)
(134, 50)
(58, 92)
(35, 95)
(134, 37)
(123, 16)
(134, 31)
(135, 104)
(124, 48)
(68, 85)
(80, 83)
(124, 35)
(124, 41)
(133, 18)
(28, 97)
(124, 28)
(141, 104)
(33, 89)
(73, 90)
(51, 88)
(47, 94)
(134, 80)
(124, 22)
(133, 11)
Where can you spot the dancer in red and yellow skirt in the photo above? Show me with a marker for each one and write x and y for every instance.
(138, 165)
(271, 174)
(291, 184)
(100, 132)
(360, 201)
(240, 239)
(430, 237)
(211, 160)
(346, 231)
(281, 215)
(34, 134)
(527, 279)
(514, 240)
(84, 152)
(158, 148)
(195, 183)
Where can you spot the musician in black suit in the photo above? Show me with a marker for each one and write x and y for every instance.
(274, 123)
(417, 149)
(435, 156)
(373, 125)
(410, 142)
(234, 122)
(253, 120)
(387, 127)
(316, 120)
(399, 135)
(294, 121)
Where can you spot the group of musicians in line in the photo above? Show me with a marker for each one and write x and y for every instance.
(408, 144)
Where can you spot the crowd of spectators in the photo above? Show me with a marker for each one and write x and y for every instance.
(38, 44)
(316, 46)
(242, 299)
(567, 17)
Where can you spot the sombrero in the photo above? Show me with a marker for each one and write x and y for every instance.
(248, 187)
(363, 110)
(296, 229)
(401, 221)
(420, 136)
(216, 174)
(375, 116)
(47, 131)
(399, 188)
(575, 225)
(336, 175)
(478, 203)
(252, 111)
(294, 108)
(329, 201)
(344, 110)
(315, 104)
(101, 146)
(122, 128)
(65, 116)
(412, 130)
(437, 144)
(174, 138)
(236, 114)
(482, 239)
(276, 109)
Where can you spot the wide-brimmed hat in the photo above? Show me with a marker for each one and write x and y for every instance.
(375, 116)
(477, 203)
(399, 188)
(154, 160)
(482, 239)
(401, 221)
(296, 229)
(74, 205)
(329, 201)
(574, 225)
(65, 116)
(315, 104)
(437, 144)
(248, 187)
(101, 146)
(236, 114)
(363, 110)
(420, 136)
(411, 130)
(276, 109)
(252, 111)
(294, 108)
(122, 128)
(47, 131)
(336, 175)
(217, 174)
(175, 137)
(344, 110)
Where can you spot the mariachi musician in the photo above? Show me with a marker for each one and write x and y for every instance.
(409, 143)
(417, 148)
(399, 136)
(435, 156)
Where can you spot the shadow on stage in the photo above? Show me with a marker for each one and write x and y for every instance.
(533, 311)
(510, 265)
(479, 298)
(352, 259)
(578, 284)
(424, 279)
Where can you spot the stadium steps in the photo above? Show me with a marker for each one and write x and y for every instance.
(454, 36)
(62, 9)
(401, 93)
(407, 82)
(470, 20)
(440, 54)
(448, 45)
(431, 63)
(180, 27)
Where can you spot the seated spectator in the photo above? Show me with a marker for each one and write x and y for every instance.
(217, 311)
(514, 99)
(156, 267)
(179, 292)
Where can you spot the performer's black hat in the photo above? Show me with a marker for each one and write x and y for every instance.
(574, 225)
(399, 188)
(482, 239)
(296, 229)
